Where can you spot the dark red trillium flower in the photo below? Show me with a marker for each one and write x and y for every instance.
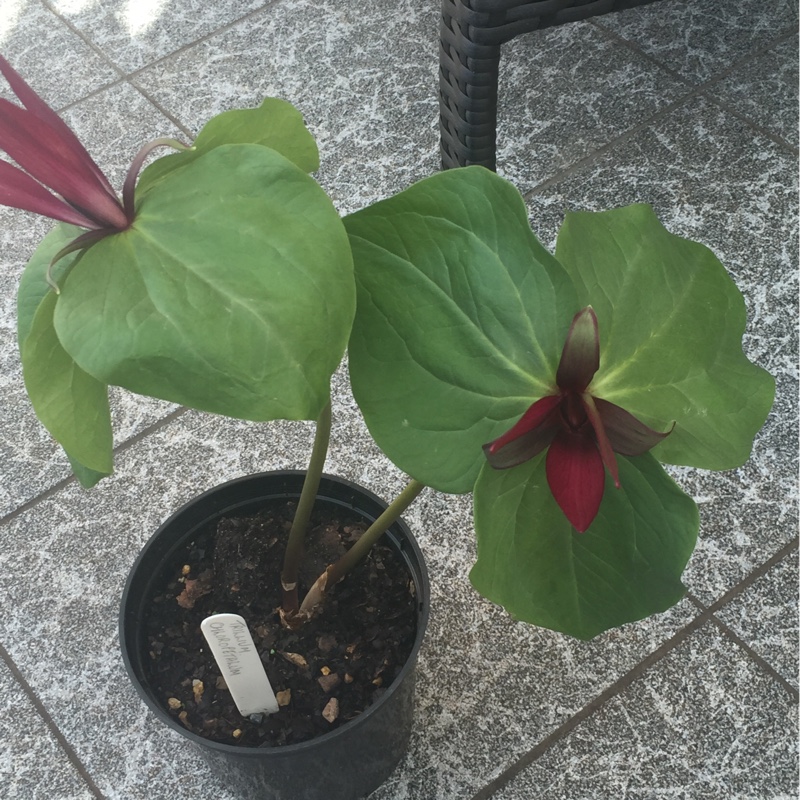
(581, 431)
(51, 157)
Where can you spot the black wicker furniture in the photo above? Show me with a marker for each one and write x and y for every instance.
(471, 33)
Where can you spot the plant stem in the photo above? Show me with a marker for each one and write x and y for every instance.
(133, 171)
(336, 571)
(294, 547)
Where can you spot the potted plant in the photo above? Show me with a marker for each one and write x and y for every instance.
(223, 280)
(550, 386)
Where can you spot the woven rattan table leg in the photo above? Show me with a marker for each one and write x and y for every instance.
(470, 35)
(467, 90)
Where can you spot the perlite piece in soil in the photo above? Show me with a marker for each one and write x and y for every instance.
(296, 659)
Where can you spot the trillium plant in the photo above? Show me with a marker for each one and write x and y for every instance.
(552, 387)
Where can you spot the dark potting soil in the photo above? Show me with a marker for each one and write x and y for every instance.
(324, 673)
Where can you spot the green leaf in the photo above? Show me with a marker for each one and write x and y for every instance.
(86, 477)
(671, 323)
(626, 566)
(275, 123)
(33, 286)
(72, 405)
(232, 292)
(460, 323)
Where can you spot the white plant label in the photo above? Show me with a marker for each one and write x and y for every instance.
(237, 658)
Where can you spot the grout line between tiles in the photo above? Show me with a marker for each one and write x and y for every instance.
(693, 92)
(753, 55)
(204, 38)
(67, 748)
(760, 660)
(718, 77)
(57, 487)
(85, 39)
(183, 48)
(729, 109)
(706, 615)
(578, 166)
(168, 114)
(130, 77)
(784, 553)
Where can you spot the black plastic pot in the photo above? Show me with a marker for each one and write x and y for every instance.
(344, 764)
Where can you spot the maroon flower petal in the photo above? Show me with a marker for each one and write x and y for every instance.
(532, 434)
(628, 436)
(603, 444)
(43, 154)
(19, 190)
(39, 108)
(580, 357)
(576, 477)
(525, 447)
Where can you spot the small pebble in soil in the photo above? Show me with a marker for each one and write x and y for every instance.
(331, 710)
(284, 697)
(329, 682)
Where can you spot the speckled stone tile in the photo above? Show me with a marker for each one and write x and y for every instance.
(712, 178)
(705, 722)
(701, 38)
(489, 688)
(113, 125)
(33, 766)
(766, 90)
(564, 92)
(56, 62)
(134, 34)
(373, 111)
(765, 616)
(479, 667)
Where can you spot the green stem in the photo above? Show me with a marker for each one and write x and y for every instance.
(294, 547)
(335, 572)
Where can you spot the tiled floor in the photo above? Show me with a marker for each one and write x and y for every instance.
(690, 105)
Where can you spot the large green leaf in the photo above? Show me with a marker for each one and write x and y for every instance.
(275, 123)
(671, 323)
(625, 567)
(72, 405)
(461, 319)
(232, 292)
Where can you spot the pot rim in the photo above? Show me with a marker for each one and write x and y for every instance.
(418, 573)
